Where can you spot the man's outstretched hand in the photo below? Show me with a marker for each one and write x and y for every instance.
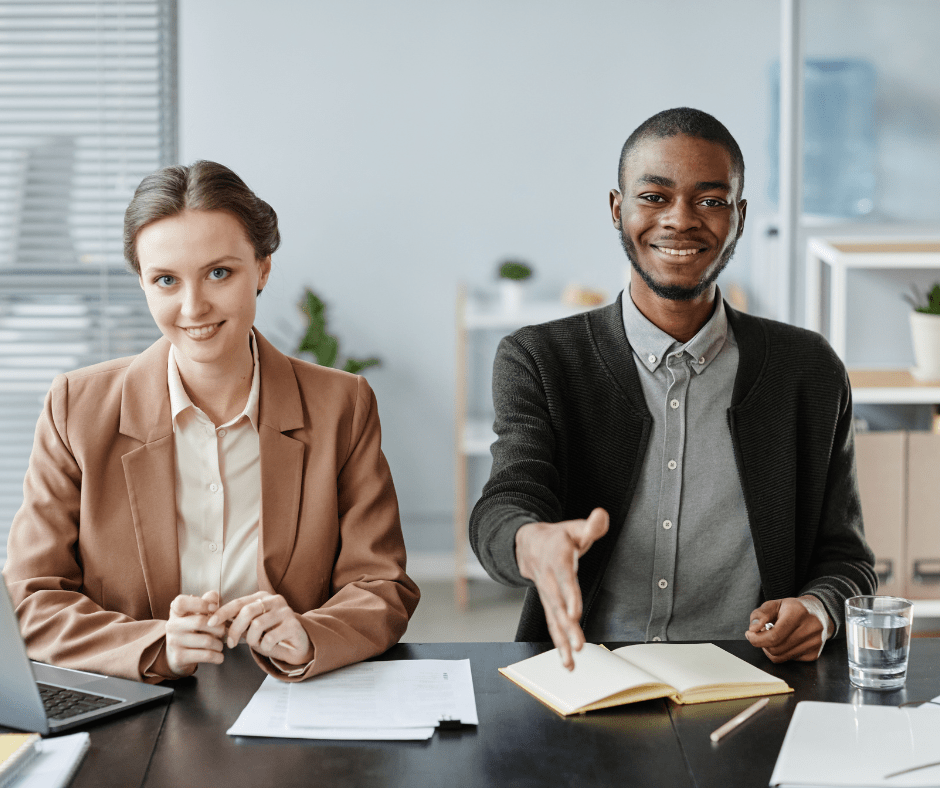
(547, 554)
(797, 633)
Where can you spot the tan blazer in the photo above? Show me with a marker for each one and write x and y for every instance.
(93, 557)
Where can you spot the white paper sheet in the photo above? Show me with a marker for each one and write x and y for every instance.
(266, 715)
(394, 694)
(57, 761)
(840, 744)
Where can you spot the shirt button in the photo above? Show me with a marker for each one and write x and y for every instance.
(651, 358)
(213, 547)
(701, 359)
(671, 465)
(221, 433)
(667, 524)
(657, 639)
(214, 487)
(663, 584)
(674, 404)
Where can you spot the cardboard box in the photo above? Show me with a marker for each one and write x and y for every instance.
(881, 459)
(922, 572)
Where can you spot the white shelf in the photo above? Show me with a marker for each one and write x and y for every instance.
(479, 316)
(926, 608)
(847, 252)
(892, 387)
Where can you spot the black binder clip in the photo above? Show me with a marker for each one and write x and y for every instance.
(448, 723)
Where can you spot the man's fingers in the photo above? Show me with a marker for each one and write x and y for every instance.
(565, 631)
(585, 532)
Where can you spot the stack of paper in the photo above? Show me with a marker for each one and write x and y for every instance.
(404, 699)
(840, 744)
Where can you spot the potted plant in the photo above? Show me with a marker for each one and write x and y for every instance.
(318, 342)
(925, 332)
(511, 275)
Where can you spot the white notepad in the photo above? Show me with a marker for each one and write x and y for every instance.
(56, 764)
(848, 746)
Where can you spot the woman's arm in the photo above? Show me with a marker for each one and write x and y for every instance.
(371, 596)
(61, 620)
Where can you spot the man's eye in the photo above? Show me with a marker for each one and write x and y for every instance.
(165, 281)
(652, 197)
(712, 202)
(219, 273)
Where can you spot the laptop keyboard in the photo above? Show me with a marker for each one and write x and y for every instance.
(62, 703)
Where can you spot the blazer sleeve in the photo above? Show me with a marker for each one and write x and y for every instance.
(841, 563)
(524, 481)
(60, 622)
(372, 598)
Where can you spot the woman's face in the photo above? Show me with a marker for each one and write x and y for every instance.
(200, 276)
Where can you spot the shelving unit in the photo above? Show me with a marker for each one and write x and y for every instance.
(869, 386)
(474, 436)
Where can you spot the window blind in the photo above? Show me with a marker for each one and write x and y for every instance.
(87, 109)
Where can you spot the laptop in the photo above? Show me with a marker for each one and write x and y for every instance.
(47, 699)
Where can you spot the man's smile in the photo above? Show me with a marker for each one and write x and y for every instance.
(679, 248)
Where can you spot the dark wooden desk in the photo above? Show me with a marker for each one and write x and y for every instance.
(519, 742)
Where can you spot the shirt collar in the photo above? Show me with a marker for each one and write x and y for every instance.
(651, 344)
(180, 401)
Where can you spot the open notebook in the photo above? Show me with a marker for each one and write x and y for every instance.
(684, 673)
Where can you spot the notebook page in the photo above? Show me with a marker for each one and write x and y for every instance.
(689, 665)
(597, 674)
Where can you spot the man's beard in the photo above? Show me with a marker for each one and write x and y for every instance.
(676, 292)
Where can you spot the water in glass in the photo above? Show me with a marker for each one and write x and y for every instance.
(878, 648)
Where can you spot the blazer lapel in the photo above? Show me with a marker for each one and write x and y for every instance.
(282, 461)
(150, 474)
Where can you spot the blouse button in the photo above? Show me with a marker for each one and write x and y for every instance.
(221, 433)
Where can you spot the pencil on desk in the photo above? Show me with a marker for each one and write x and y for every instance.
(734, 722)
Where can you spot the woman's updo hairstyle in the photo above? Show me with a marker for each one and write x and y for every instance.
(203, 186)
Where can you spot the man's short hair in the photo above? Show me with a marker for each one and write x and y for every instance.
(692, 123)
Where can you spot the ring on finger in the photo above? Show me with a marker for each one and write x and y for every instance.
(263, 611)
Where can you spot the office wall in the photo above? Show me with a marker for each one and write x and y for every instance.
(409, 146)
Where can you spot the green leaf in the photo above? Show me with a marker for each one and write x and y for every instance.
(356, 365)
(517, 271)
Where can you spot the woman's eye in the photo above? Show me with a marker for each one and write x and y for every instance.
(219, 273)
(166, 280)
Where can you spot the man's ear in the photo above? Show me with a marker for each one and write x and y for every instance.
(616, 198)
(742, 205)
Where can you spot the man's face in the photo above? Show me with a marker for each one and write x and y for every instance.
(679, 216)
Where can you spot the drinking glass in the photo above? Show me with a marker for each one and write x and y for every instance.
(878, 630)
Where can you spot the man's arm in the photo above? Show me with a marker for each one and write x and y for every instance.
(842, 564)
(515, 529)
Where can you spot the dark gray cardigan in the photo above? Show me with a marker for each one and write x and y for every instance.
(572, 427)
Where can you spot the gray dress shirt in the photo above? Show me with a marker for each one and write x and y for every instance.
(684, 566)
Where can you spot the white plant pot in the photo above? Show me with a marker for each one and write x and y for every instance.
(925, 333)
(511, 293)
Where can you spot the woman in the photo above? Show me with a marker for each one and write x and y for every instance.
(210, 488)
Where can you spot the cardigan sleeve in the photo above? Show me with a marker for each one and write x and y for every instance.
(59, 617)
(524, 484)
(841, 563)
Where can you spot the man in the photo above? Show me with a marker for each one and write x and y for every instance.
(668, 468)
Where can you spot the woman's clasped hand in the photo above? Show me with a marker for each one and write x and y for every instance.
(199, 628)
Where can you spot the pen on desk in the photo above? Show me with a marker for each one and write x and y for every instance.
(734, 722)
